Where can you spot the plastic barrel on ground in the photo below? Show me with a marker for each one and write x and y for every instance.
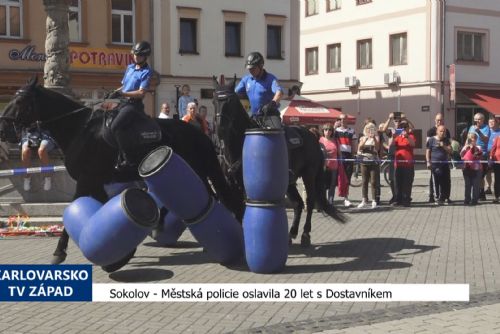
(265, 229)
(174, 183)
(169, 231)
(118, 227)
(265, 165)
(219, 233)
(77, 214)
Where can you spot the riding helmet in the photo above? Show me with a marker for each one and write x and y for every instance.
(254, 59)
(142, 49)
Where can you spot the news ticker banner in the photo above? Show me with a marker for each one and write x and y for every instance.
(25, 283)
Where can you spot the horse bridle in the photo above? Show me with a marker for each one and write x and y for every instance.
(222, 96)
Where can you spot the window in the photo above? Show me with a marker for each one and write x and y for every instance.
(122, 21)
(188, 36)
(365, 54)
(75, 21)
(333, 5)
(274, 42)
(10, 18)
(333, 58)
(470, 46)
(398, 49)
(362, 2)
(312, 7)
(233, 39)
(311, 61)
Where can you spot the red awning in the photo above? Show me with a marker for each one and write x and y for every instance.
(486, 99)
(300, 110)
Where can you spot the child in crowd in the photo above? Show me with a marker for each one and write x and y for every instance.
(471, 155)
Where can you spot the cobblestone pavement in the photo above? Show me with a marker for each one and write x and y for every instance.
(421, 244)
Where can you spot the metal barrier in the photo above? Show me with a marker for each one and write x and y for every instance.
(31, 170)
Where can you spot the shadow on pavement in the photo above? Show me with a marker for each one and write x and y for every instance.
(141, 275)
(368, 254)
(178, 244)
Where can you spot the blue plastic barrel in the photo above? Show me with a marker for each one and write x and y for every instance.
(77, 214)
(115, 188)
(265, 228)
(219, 233)
(174, 183)
(118, 227)
(265, 165)
(169, 231)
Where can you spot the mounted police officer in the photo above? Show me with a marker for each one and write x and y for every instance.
(135, 84)
(263, 90)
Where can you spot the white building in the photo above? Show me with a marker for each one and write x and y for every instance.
(373, 57)
(194, 40)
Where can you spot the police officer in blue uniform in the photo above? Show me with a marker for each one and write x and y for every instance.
(263, 90)
(135, 84)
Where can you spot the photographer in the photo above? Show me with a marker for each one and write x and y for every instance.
(396, 118)
(483, 133)
(437, 152)
(404, 169)
(471, 154)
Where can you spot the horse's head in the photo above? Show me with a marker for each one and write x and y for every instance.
(20, 112)
(229, 112)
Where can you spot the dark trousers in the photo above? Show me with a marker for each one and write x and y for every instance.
(348, 165)
(496, 171)
(440, 174)
(331, 183)
(370, 173)
(120, 127)
(472, 179)
(403, 183)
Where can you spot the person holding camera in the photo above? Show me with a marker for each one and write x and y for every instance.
(368, 149)
(404, 166)
(471, 155)
(390, 132)
(263, 91)
(433, 186)
(483, 132)
(40, 140)
(436, 154)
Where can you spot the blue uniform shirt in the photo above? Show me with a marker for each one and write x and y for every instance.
(259, 91)
(135, 79)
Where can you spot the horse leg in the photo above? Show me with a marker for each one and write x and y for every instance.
(310, 184)
(82, 189)
(298, 206)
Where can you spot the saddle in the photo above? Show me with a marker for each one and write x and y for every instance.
(293, 138)
(143, 130)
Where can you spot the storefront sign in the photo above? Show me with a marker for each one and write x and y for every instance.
(103, 58)
(114, 59)
(28, 53)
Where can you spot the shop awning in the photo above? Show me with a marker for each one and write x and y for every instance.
(486, 99)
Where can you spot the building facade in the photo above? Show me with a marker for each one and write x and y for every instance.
(195, 40)
(102, 34)
(373, 57)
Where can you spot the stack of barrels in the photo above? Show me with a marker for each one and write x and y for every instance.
(265, 177)
(174, 184)
(106, 233)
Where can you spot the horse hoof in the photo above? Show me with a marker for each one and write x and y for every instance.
(59, 257)
(121, 263)
(305, 240)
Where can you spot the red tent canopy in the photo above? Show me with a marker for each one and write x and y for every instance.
(300, 110)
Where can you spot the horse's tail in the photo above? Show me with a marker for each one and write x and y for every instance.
(322, 202)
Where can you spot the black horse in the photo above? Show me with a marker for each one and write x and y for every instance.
(90, 160)
(305, 161)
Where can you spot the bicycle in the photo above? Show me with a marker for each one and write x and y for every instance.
(357, 180)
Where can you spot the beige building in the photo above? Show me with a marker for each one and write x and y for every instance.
(195, 40)
(101, 34)
(373, 57)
